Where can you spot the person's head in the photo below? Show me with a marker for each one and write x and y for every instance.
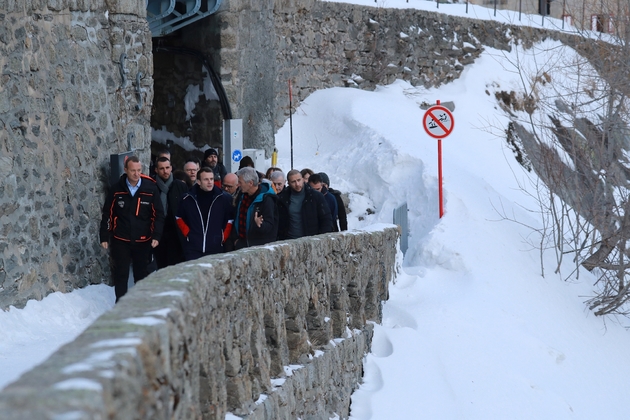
(230, 183)
(306, 173)
(163, 168)
(246, 162)
(325, 179)
(271, 170)
(133, 169)
(247, 180)
(191, 167)
(315, 181)
(277, 179)
(183, 176)
(296, 182)
(210, 158)
(205, 179)
(163, 153)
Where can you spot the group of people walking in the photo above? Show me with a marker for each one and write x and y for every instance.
(176, 216)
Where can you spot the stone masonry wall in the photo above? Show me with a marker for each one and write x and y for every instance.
(274, 332)
(63, 109)
(336, 44)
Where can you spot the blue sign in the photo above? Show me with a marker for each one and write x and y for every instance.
(237, 155)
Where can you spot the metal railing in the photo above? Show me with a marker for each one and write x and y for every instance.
(167, 16)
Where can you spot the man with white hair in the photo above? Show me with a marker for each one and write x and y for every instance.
(256, 218)
(277, 180)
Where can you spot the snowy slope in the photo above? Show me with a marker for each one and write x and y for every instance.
(472, 330)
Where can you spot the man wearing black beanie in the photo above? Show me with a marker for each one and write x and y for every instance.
(211, 160)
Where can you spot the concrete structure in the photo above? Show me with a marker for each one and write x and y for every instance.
(276, 332)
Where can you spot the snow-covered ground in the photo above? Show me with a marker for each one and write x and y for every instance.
(30, 335)
(472, 330)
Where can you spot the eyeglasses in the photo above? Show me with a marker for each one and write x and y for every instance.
(225, 186)
(279, 184)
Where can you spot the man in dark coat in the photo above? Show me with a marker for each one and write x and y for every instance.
(341, 223)
(315, 182)
(169, 251)
(204, 217)
(303, 211)
(131, 224)
(256, 218)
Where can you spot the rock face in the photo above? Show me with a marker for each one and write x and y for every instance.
(265, 333)
(64, 107)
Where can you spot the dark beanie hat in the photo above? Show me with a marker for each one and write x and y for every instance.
(325, 178)
(209, 152)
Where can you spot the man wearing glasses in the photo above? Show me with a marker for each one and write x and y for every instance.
(230, 184)
(191, 167)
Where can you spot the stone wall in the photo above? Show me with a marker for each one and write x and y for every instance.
(63, 109)
(337, 44)
(274, 332)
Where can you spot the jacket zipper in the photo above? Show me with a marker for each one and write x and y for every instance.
(205, 228)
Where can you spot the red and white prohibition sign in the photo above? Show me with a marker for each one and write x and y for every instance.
(438, 122)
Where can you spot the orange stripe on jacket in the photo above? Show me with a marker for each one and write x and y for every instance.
(183, 226)
(227, 230)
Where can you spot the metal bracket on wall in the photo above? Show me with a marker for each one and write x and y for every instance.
(139, 91)
(130, 138)
(123, 70)
(167, 16)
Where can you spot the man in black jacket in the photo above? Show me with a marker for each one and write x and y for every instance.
(132, 224)
(205, 217)
(169, 251)
(342, 216)
(303, 211)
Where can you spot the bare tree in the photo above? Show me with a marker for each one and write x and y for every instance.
(574, 136)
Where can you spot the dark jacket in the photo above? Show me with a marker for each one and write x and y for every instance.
(175, 194)
(219, 172)
(170, 251)
(332, 205)
(264, 203)
(341, 212)
(204, 232)
(132, 219)
(316, 218)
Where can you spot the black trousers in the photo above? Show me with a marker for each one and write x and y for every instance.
(124, 253)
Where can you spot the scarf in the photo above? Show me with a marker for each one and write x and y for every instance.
(242, 216)
(164, 186)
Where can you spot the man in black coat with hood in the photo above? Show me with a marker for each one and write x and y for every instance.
(131, 224)
(303, 211)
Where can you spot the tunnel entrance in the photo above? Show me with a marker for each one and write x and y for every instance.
(189, 102)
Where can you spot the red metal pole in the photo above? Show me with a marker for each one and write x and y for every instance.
(440, 173)
(440, 177)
